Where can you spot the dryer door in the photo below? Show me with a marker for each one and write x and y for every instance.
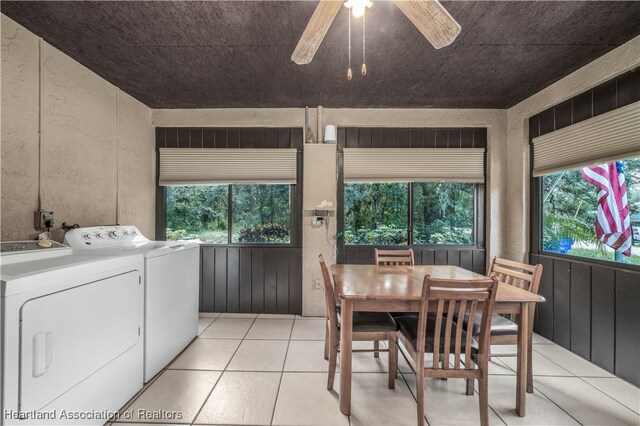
(67, 336)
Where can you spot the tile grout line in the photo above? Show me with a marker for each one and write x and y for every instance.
(273, 413)
(214, 319)
(556, 404)
(221, 374)
(544, 356)
(600, 390)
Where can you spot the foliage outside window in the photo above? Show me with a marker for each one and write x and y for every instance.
(569, 213)
(443, 213)
(259, 213)
(377, 213)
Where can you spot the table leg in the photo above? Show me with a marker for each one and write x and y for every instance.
(346, 335)
(530, 357)
(523, 349)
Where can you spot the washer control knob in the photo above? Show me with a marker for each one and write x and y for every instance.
(100, 235)
(115, 234)
(88, 236)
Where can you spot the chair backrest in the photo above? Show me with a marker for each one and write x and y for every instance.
(456, 299)
(329, 293)
(394, 257)
(521, 275)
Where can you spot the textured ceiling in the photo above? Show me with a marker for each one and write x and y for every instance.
(237, 54)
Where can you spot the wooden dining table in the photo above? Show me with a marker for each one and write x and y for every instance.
(371, 288)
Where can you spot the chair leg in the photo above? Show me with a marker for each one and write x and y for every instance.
(420, 395)
(470, 382)
(393, 361)
(376, 348)
(333, 360)
(326, 340)
(484, 401)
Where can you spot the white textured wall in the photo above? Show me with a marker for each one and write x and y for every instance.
(137, 165)
(614, 63)
(318, 182)
(20, 113)
(87, 126)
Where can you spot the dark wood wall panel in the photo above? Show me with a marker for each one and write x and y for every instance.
(608, 96)
(593, 311)
(376, 137)
(627, 337)
(251, 279)
(581, 309)
(545, 310)
(470, 259)
(562, 302)
(603, 317)
(229, 137)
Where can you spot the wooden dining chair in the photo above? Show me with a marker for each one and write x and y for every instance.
(504, 329)
(440, 335)
(394, 257)
(367, 326)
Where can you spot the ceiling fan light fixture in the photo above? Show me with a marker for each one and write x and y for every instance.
(358, 6)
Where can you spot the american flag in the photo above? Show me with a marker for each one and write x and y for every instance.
(613, 224)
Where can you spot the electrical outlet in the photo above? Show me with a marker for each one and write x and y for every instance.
(43, 220)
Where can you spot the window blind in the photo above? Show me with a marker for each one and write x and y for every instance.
(195, 166)
(414, 165)
(614, 135)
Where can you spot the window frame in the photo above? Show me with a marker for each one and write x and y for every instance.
(536, 228)
(295, 200)
(479, 222)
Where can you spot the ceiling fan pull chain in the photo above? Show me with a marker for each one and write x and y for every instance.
(363, 71)
(349, 73)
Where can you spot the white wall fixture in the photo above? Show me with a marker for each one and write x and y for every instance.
(330, 134)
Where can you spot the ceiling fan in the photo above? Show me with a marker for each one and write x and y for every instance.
(429, 16)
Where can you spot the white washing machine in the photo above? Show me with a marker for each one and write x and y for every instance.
(171, 286)
(72, 349)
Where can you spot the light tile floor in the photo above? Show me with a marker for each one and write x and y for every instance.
(252, 369)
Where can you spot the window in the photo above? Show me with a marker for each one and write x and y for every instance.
(570, 214)
(443, 213)
(197, 212)
(377, 213)
(259, 214)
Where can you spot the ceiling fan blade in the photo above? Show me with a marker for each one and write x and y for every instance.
(316, 29)
(432, 19)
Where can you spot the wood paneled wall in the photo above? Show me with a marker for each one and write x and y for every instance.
(592, 307)
(471, 259)
(385, 137)
(251, 279)
(618, 92)
(593, 311)
(228, 137)
(236, 277)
